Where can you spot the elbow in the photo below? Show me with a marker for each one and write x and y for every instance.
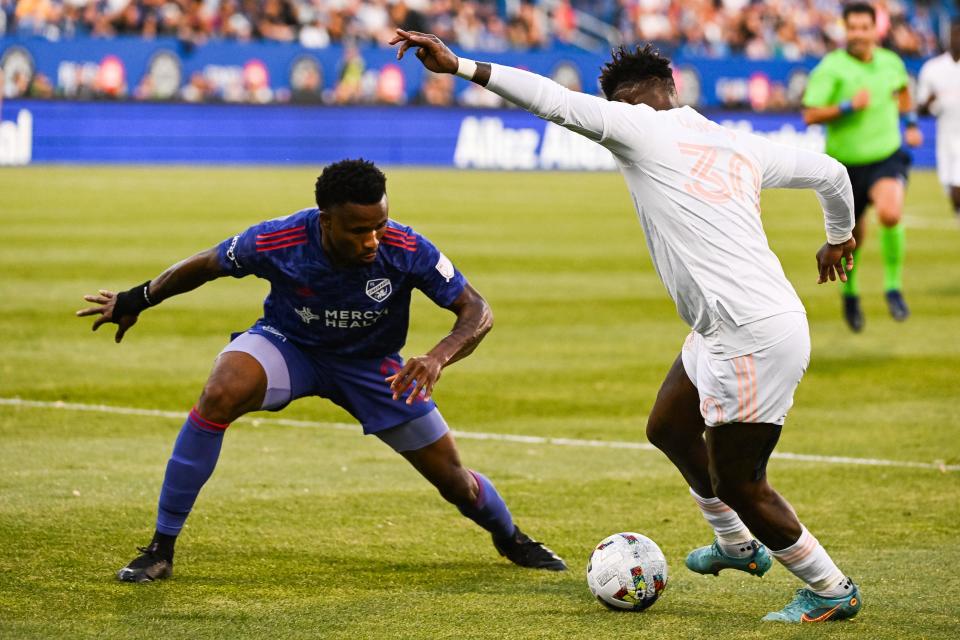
(809, 117)
(486, 320)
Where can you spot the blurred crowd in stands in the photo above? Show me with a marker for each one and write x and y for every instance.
(788, 29)
(776, 29)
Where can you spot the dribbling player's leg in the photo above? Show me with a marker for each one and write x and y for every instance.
(738, 459)
(676, 427)
(472, 493)
(476, 498)
(236, 386)
(955, 199)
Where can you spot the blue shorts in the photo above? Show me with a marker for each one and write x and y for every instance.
(356, 384)
(864, 176)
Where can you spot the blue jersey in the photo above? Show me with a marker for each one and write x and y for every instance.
(360, 311)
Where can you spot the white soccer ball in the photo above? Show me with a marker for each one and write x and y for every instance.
(627, 571)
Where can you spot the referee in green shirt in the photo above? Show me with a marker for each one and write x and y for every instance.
(860, 93)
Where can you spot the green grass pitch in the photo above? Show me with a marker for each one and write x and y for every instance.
(319, 532)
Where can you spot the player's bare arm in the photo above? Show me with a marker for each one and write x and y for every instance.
(124, 308)
(912, 134)
(437, 57)
(474, 321)
(821, 115)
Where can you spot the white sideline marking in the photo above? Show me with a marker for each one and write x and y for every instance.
(942, 224)
(467, 435)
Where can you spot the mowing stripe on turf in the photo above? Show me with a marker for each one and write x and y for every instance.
(465, 435)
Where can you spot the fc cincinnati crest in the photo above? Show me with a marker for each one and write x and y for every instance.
(379, 289)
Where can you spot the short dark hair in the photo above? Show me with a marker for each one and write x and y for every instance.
(357, 181)
(628, 66)
(859, 7)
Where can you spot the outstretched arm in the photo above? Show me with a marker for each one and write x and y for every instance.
(590, 116)
(474, 321)
(124, 308)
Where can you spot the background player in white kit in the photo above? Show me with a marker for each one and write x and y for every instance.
(696, 188)
(938, 92)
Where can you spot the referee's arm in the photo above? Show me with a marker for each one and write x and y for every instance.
(820, 115)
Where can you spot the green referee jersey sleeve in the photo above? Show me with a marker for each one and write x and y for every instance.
(866, 136)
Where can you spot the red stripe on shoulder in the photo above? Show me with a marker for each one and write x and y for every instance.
(281, 232)
(282, 239)
(401, 245)
(400, 237)
(292, 234)
(282, 246)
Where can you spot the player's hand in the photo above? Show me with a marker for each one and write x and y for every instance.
(107, 300)
(913, 136)
(835, 260)
(431, 51)
(420, 374)
(861, 99)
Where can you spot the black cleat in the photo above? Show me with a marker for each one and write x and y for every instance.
(146, 567)
(852, 313)
(897, 305)
(521, 550)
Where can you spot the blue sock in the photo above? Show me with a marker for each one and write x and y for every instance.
(194, 456)
(490, 511)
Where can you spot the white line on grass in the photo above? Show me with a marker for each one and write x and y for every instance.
(466, 435)
(941, 224)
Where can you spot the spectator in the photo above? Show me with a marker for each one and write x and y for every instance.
(436, 90)
(789, 29)
(349, 89)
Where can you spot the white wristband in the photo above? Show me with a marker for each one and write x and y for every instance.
(466, 68)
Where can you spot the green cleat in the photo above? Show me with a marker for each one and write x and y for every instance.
(712, 559)
(807, 606)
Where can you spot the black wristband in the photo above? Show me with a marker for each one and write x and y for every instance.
(132, 301)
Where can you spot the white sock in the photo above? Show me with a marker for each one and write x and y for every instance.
(808, 560)
(732, 535)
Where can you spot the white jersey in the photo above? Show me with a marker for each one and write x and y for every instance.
(940, 77)
(696, 188)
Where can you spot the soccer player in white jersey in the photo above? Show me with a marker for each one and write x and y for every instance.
(938, 92)
(696, 188)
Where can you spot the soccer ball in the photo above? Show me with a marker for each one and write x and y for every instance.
(627, 571)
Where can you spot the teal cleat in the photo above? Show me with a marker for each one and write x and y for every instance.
(712, 560)
(807, 606)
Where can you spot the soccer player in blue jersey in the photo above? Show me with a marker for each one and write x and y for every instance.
(333, 323)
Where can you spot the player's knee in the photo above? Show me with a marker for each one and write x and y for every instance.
(888, 216)
(658, 431)
(221, 402)
(459, 488)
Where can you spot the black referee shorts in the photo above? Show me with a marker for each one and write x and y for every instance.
(864, 176)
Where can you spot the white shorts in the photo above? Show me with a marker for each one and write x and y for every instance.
(756, 387)
(948, 162)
